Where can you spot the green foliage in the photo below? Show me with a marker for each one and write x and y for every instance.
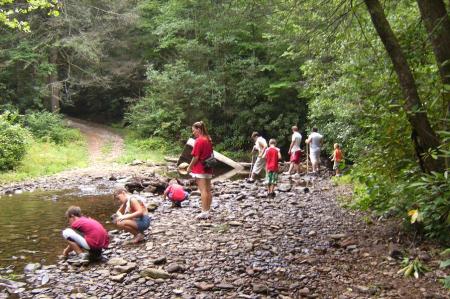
(50, 126)
(413, 268)
(46, 158)
(12, 12)
(219, 66)
(14, 140)
(445, 264)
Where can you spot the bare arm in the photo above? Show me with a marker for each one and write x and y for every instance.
(290, 147)
(193, 162)
(121, 210)
(138, 210)
(263, 149)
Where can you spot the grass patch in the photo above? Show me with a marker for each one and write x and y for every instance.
(149, 149)
(46, 158)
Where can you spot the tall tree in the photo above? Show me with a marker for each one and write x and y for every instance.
(436, 20)
(425, 138)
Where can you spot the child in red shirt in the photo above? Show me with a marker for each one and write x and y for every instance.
(84, 234)
(175, 193)
(272, 155)
(337, 158)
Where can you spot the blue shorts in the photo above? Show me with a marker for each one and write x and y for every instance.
(143, 223)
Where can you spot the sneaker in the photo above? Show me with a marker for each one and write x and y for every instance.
(203, 216)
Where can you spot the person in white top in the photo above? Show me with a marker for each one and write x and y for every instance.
(315, 141)
(294, 151)
(260, 146)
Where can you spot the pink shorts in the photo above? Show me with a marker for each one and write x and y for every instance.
(295, 157)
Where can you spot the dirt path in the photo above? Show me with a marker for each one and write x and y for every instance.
(104, 145)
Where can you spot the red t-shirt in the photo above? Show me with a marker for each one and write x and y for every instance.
(176, 192)
(95, 234)
(203, 150)
(272, 158)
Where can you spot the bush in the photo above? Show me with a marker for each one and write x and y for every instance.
(13, 140)
(50, 126)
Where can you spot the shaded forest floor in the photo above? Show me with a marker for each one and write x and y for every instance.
(296, 245)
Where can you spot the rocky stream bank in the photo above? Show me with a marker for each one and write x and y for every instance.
(300, 244)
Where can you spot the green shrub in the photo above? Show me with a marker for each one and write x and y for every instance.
(50, 126)
(13, 140)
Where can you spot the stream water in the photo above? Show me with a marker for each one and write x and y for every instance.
(31, 224)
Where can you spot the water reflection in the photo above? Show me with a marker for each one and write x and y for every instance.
(31, 224)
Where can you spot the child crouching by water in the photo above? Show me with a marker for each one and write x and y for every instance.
(84, 234)
(132, 215)
(175, 193)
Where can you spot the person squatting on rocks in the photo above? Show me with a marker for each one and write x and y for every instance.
(272, 156)
(315, 141)
(84, 234)
(175, 193)
(132, 216)
(260, 146)
(202, 150)
(337, 158)
(295, 151)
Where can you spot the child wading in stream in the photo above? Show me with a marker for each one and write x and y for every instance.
(84, 234)
(272, 155)
(132, 215)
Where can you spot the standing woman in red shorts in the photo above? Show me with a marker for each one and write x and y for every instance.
(202, 150)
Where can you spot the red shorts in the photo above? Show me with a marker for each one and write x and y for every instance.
(295, 157)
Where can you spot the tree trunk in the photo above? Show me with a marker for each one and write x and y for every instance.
(437, 23)
(53, 84)
(425, 137)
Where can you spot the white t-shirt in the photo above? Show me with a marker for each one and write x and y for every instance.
(314, 142)
(297, 139)
(259, 143)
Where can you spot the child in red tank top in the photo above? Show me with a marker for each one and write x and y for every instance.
(272, 156)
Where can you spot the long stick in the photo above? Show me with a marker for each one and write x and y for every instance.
(251, 167)
(307, 158)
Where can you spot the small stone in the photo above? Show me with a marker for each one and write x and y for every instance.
(117, 261)
(225, 286)
(172, 268)
(155, 273)
(31, 268)
(203, 286)
(118, 277)
(337, 236)
(304, 291)
(235, 223)
(126, 268)
(160, 260)
(260, 288)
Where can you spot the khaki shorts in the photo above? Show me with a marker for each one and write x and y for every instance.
(315, 157)
(259, 165)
